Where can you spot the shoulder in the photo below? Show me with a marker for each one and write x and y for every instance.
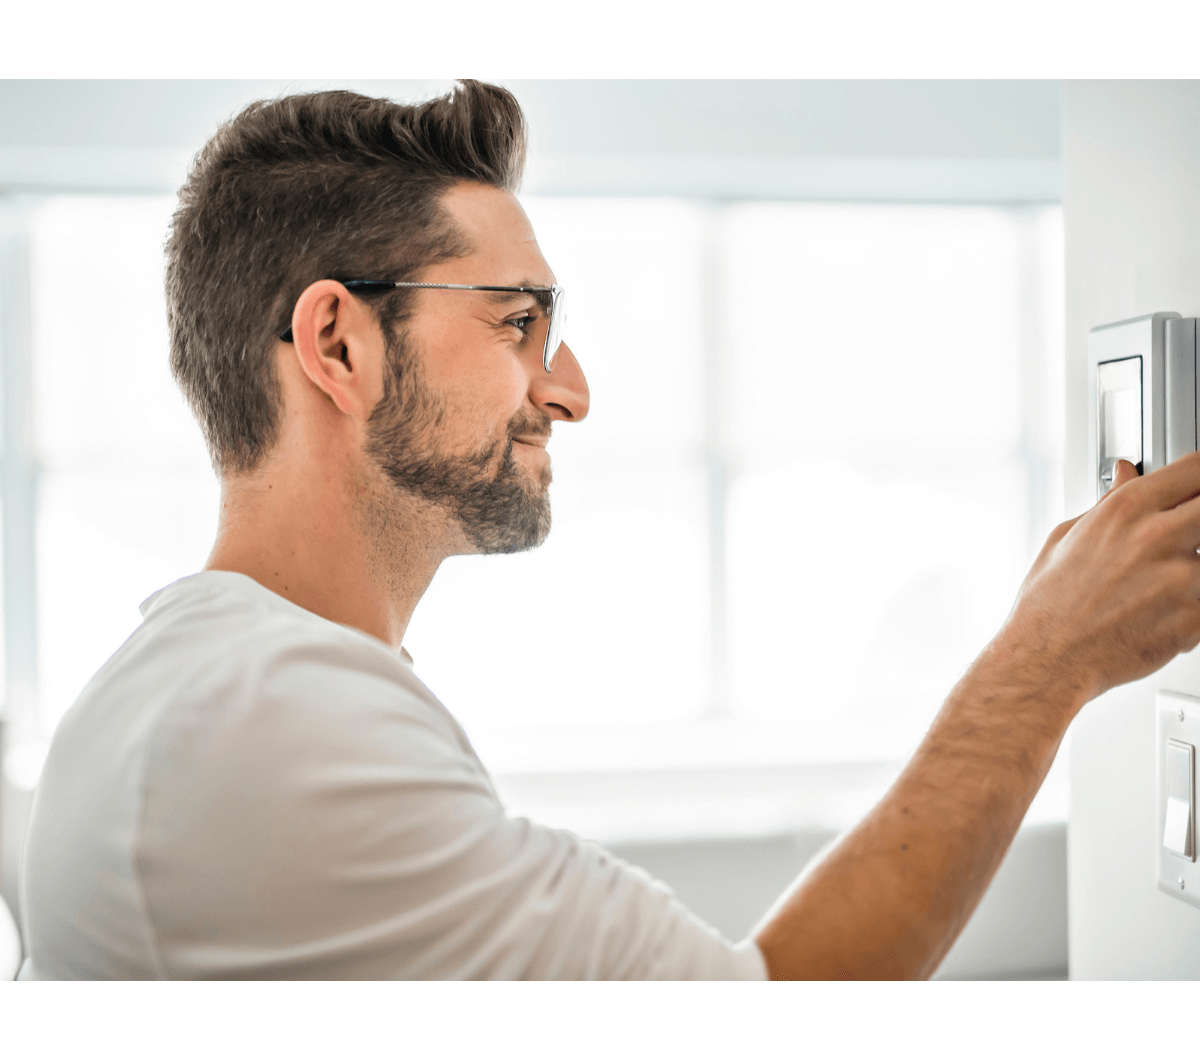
(244, 670)
(225, 683)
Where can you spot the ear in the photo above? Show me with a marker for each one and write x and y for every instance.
(337, 344)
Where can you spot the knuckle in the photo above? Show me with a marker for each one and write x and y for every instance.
(1121, 505)
(1059, 532)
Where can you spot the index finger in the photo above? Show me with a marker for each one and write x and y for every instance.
(1182, 525)
(1169, 486)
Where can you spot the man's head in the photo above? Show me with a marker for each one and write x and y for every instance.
(295, 196)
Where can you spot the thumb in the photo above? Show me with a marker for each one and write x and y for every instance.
(1122, 473)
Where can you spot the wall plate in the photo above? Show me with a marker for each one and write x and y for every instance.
(1140, 346)
(1177, 718)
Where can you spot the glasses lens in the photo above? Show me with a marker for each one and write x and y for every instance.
(558, 314)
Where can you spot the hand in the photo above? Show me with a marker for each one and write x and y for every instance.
(1115, 593)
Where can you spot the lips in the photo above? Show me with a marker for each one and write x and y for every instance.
(539, 441)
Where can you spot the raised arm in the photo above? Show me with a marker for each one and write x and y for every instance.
(1113, 596)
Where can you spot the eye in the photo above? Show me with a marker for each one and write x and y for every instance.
(522, 323)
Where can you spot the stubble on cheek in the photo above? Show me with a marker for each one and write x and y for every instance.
(498, 503)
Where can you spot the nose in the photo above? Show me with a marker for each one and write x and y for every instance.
(563, 391)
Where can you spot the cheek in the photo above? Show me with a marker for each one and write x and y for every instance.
(497, 392)
(512, 386)
(480, 380)
(482, 407)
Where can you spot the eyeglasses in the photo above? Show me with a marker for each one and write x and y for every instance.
(555, 306)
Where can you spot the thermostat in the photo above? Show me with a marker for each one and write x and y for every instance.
(1143, 383)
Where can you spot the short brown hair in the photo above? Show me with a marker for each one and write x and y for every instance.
(327, 185)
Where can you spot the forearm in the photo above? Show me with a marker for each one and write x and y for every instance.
(890, 898)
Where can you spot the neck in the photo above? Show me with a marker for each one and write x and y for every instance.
(331, 543)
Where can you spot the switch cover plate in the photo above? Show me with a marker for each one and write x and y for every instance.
(1130, 421)
(1178, 723)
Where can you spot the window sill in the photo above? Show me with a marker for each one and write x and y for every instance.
(715, 779)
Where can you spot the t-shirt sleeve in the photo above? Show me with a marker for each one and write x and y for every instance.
(339, 828)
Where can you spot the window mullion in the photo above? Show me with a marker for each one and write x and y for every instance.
(716, 458)
(18, 478)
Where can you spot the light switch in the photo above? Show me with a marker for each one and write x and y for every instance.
(1177, 735)
(1179, 829)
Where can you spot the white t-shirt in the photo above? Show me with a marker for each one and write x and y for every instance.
(247, 790)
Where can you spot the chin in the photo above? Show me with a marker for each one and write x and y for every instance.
(518, 529)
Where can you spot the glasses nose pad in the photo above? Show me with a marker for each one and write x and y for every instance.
(553, 345)
(558, 317)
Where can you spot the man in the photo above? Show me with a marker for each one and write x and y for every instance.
(257, 785)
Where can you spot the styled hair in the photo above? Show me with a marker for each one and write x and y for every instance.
(327, 185)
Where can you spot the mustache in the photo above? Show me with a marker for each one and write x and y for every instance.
(527, 423)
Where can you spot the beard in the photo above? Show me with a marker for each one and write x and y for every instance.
(494, 500)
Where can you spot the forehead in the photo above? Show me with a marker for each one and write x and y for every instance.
(504, 249)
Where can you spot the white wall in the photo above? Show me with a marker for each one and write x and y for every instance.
(1131, 155)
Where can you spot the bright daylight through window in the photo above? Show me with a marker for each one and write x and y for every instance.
(820, 453)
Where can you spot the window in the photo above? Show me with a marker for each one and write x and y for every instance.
(878, 503)
(126, 499)
(821, 452)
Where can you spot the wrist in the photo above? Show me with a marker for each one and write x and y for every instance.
(1031, 679)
